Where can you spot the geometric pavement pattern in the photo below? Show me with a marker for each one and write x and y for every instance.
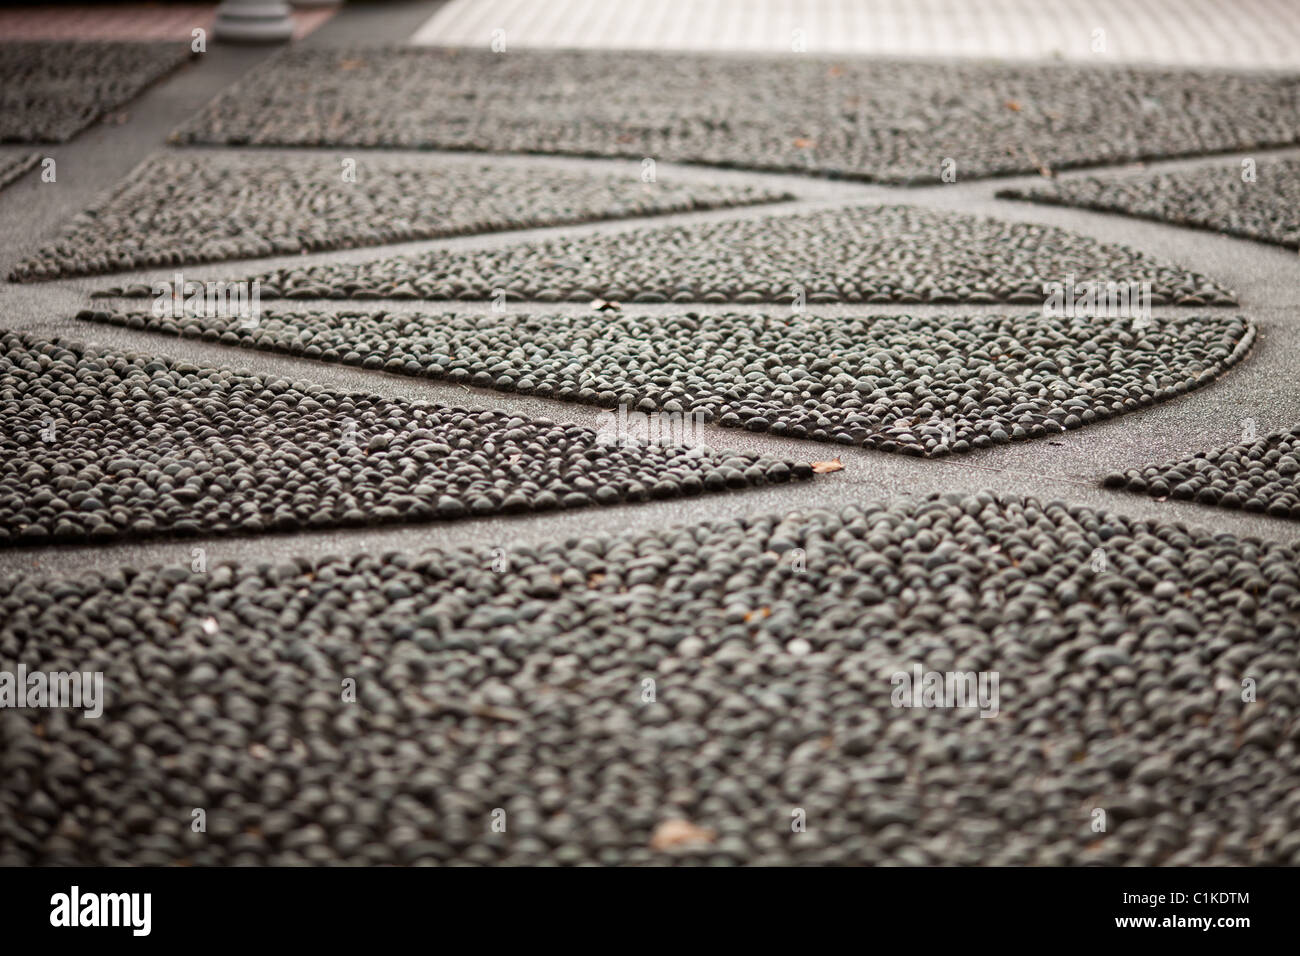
(770, 640)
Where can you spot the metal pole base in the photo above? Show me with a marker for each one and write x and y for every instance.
(253, 21)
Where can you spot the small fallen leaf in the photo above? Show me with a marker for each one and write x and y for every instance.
(761, 613)
(507, 714)
(835, 71)
(802, 143)
(673, 833)
(1043, 169)
(1013, 106)
(825, 467)
(351, 64)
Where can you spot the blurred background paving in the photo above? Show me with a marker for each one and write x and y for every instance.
(1244, 33)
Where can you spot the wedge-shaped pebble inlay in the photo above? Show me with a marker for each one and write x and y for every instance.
(921, 385)
(200, 207)
(1259, 474)
(856, 254)
(1249, 199)
(103, 445)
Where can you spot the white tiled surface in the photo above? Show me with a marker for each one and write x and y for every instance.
(1238, 33)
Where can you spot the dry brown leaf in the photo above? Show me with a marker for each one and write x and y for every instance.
(1043, 169)
(825, 467)
(1013, 106)
(761, 613)
(673, 833)
(802, 143)
(506, 714)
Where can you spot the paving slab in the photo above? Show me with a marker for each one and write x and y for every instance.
(1249, 34)
(679, 697)
(191, 207)
(825, 255)
(50, 90)
(1252, 200)
(885, 121)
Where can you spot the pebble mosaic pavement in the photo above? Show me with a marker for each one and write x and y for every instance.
(771, 640)
(889, 382)
(1256, 474)
(102, 445)
(1250, 199)
(180, 209)
(480, 689)
(855, 254)
(50, 91)
(884, 121)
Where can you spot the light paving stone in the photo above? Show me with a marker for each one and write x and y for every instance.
(1249, 34)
